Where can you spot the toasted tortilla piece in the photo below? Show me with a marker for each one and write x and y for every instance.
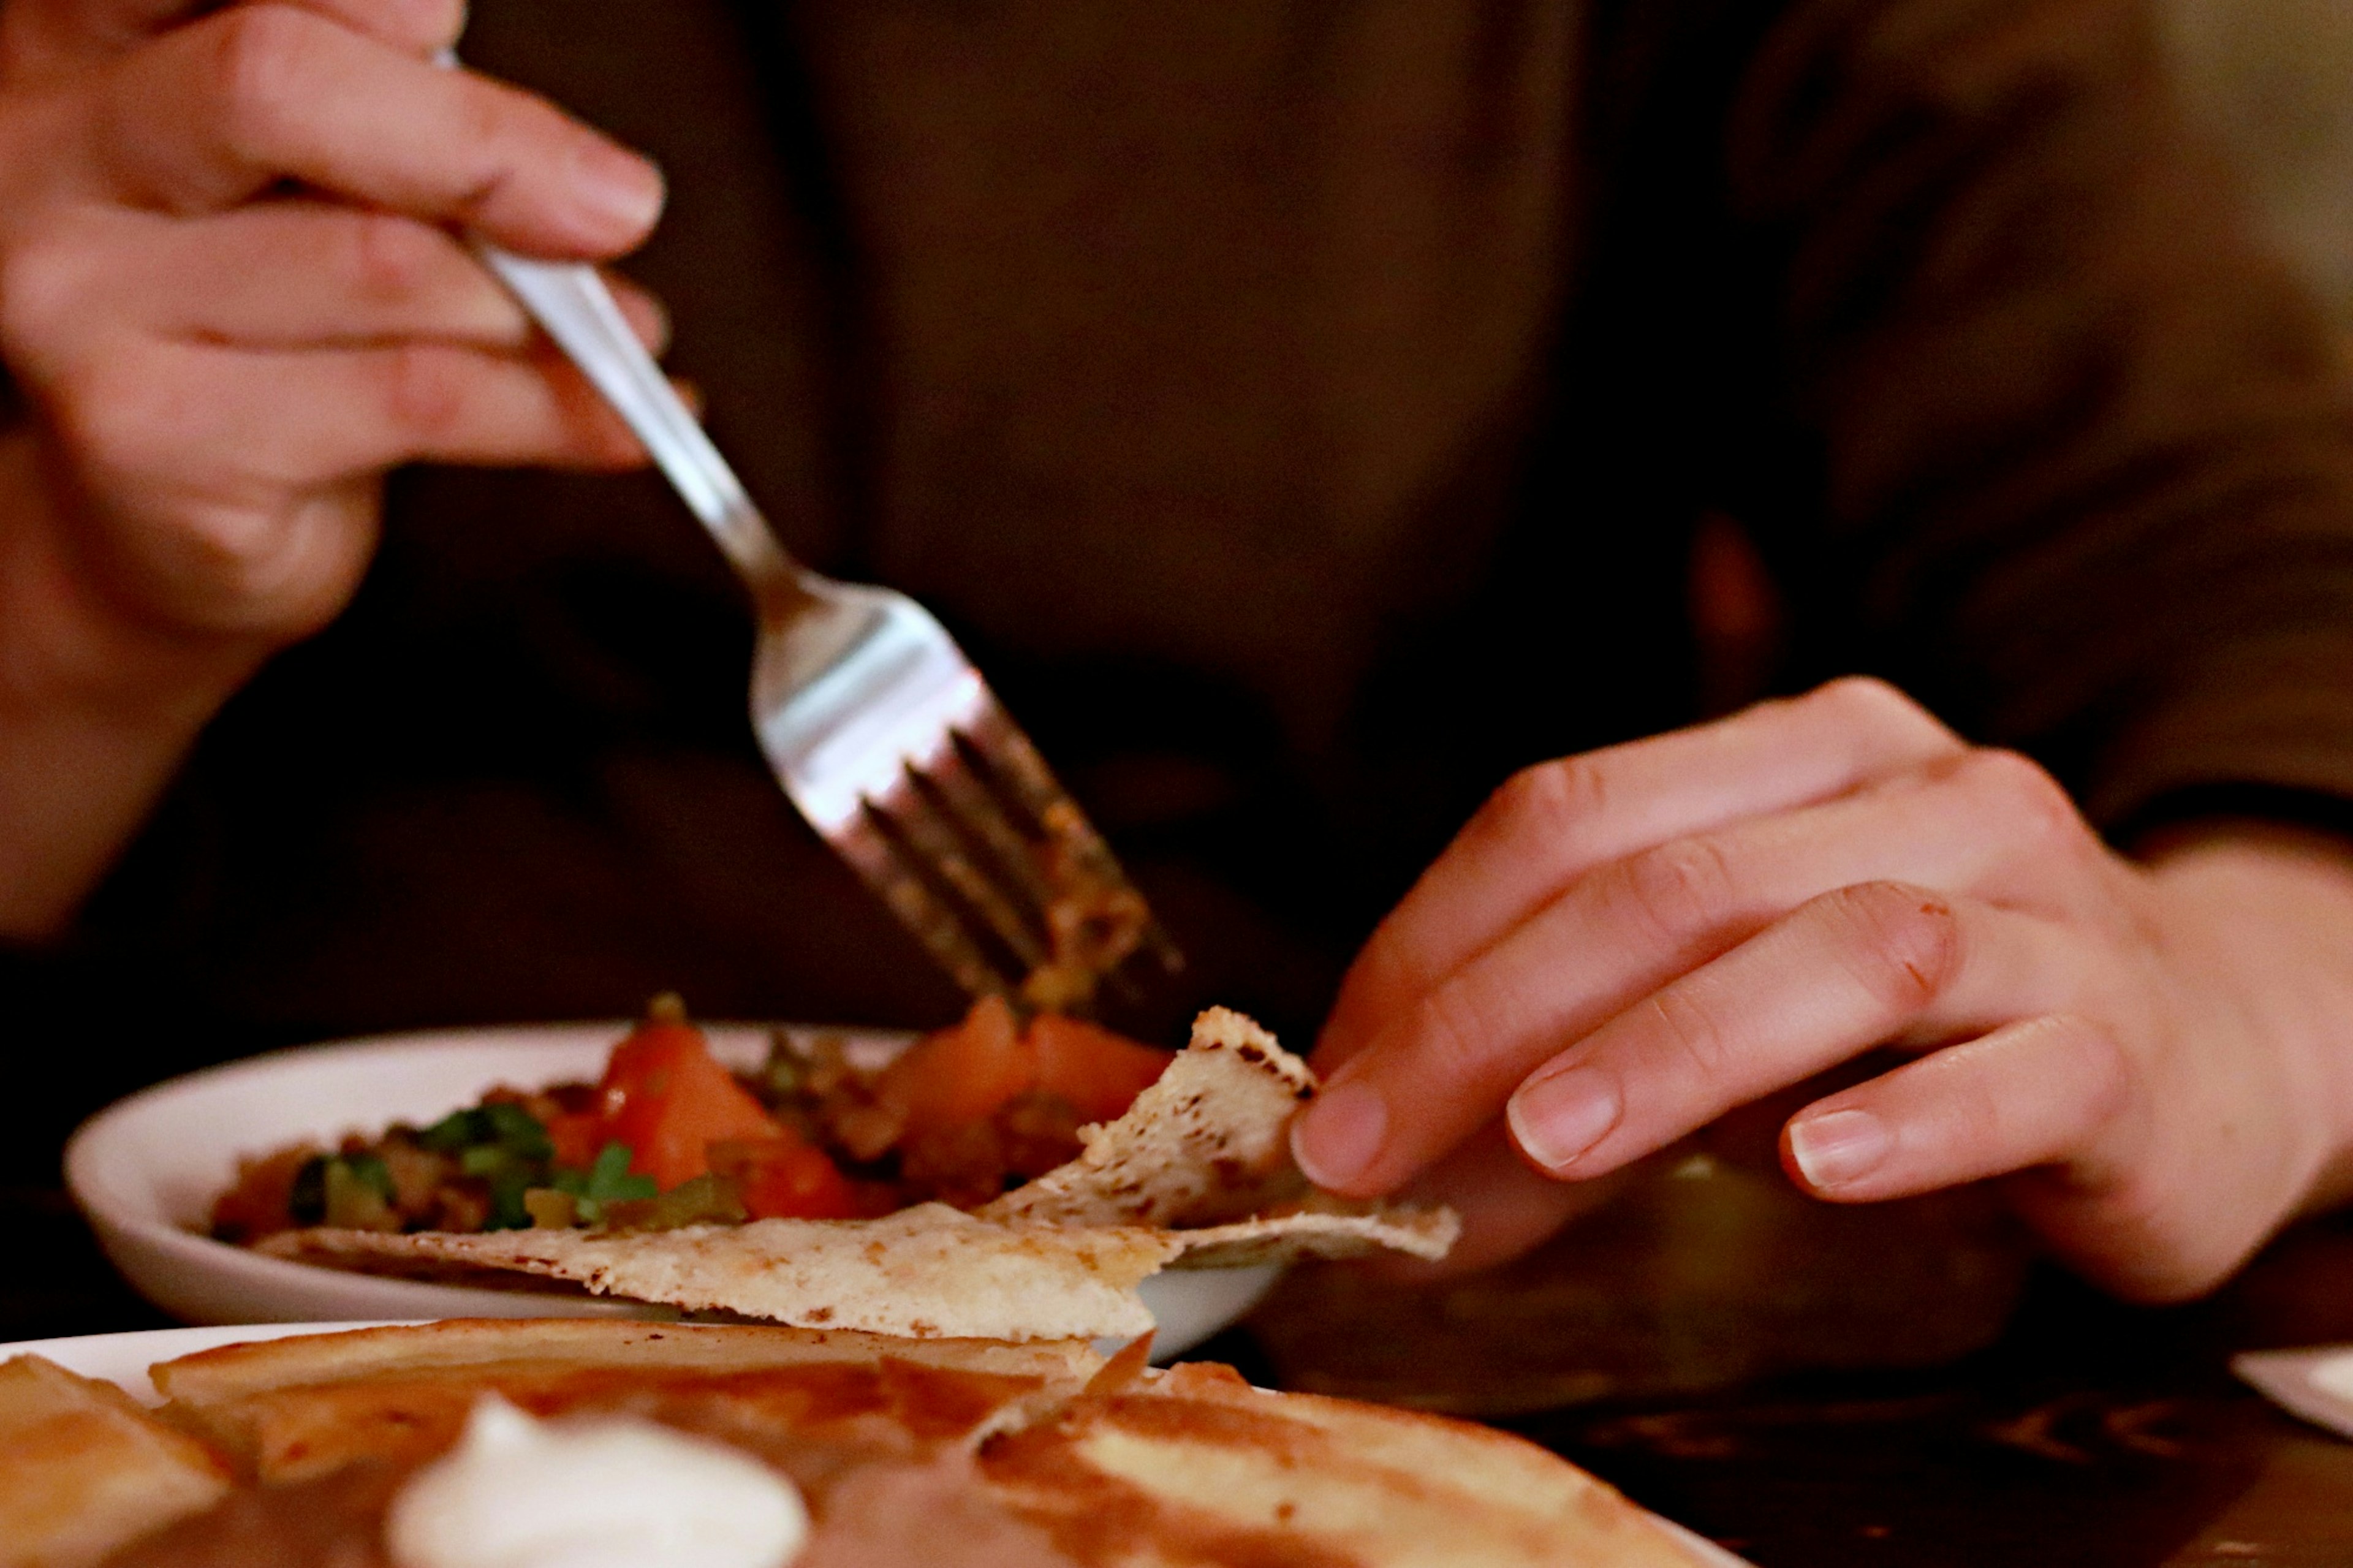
(215, 1377)
(292, 1410)
(1205, 1144)
(1206, 1152)
(1196, 1456)
(927, 1272)
(86, 1470)
(1311, 1230)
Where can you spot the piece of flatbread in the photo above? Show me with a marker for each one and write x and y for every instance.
(1311, 1229)
(1205, 1151)
(83, 1469)
(1205, 1143)
(926, 1272)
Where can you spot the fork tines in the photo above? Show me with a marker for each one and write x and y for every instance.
(982, 853)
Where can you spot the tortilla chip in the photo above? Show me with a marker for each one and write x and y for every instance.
(926, 1272)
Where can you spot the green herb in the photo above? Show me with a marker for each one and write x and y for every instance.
(504, 1125)
(306, 1200)
(607, 1181)
(508, 1210)
(487, 1159)
(706, 1199)
(371, 1171)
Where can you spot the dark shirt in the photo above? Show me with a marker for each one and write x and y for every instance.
(1304, 412)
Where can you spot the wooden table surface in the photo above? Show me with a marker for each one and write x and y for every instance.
(2088, 1435)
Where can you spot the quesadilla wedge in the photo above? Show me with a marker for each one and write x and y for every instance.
(86, 1470)
(1195, 1172)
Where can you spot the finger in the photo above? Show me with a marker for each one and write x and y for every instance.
(1506, 1209)
(40, 36)
(303, 274)
(210, 115)
(1554, 823)
(1441, 1065)
(283, 274)
(253, 427)
(2031, 1093)
(1853, 969)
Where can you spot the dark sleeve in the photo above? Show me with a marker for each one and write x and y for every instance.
(2083, 448)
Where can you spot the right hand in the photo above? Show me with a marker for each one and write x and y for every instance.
(232, 297)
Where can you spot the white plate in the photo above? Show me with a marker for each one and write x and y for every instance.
(123, 1360)
(147, 1169)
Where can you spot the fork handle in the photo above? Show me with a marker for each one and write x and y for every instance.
(571, 304)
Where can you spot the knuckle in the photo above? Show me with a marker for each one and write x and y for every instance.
(104, 416)
(1904, 943)
(1458, 1034)
(261, 66)
(40, 284)
(2104, 1070)
(1678, 888)
(2025, 795)
(1869, 702)
(1549, 801)
(1694, 1031)
(424, 390)
(390, 260)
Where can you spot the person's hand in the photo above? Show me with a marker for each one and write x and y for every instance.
(1622, 946)
(232, 297)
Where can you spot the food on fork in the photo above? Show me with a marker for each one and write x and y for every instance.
(990, 1181)
(954, 1453)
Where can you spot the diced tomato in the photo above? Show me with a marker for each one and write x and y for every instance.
(667, 1099)
(962, 1074)
(261, 1203)
(576, 1136)
(785, 1178)
(1098, 1072)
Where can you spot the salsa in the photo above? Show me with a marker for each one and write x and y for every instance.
(669, 1137)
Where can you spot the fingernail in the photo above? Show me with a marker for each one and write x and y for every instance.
(1557, 1119)
(617, 187)
(1838, 1146)
(1341, 1134)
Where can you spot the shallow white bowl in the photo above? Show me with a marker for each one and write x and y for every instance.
(147, 1169)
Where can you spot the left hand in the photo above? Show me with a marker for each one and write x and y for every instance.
(2155, 1059)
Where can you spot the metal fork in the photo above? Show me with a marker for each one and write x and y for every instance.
(877, 725)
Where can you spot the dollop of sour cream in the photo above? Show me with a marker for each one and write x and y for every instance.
(615, 1492)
